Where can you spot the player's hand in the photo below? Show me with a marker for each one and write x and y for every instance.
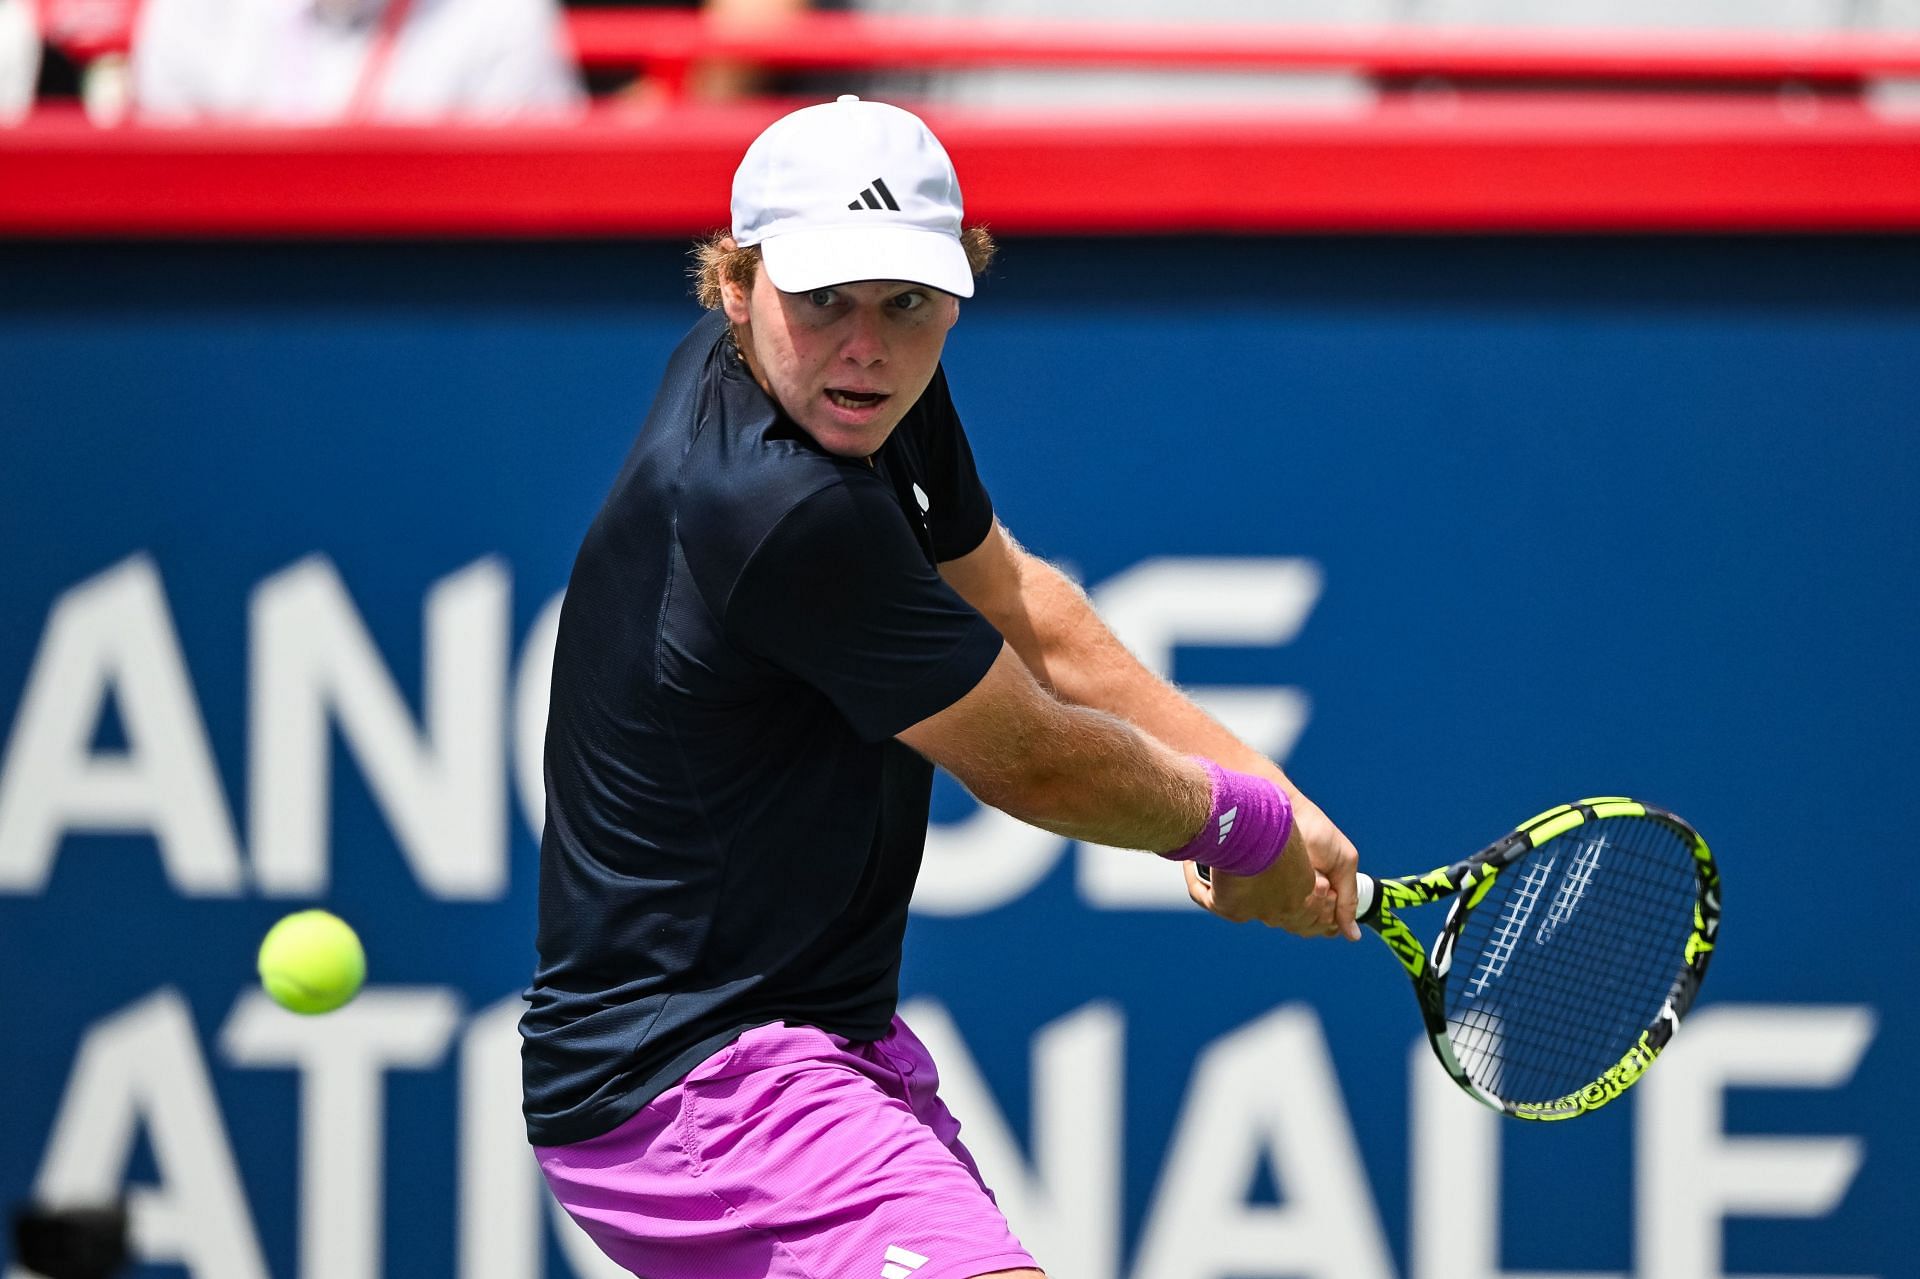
(1308, 891)
(1334, 859)
(1290, 894)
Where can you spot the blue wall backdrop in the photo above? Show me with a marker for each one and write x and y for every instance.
(1463, 527)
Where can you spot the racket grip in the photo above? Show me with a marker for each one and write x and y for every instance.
(1364, 893)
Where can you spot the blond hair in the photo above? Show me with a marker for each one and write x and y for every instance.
(717, 260)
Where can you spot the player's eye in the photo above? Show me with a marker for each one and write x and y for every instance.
(823, 297)
(909, 301)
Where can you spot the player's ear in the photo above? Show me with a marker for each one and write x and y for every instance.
(733, 300)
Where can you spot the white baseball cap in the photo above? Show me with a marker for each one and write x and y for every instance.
(851, 190)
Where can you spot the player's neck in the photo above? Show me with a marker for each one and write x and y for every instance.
(743, 352)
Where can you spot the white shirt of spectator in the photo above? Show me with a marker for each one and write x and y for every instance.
(19, 59)
(302, 62)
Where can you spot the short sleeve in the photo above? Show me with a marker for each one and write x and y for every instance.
(961, 512)
(840, 595)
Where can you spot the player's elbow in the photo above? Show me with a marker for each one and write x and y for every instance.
(1022, 774)
(1017, 747)
(1039, 795)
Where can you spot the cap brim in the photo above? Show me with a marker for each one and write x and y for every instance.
(819, 257)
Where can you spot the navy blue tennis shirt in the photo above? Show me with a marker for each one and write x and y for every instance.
(732, 833)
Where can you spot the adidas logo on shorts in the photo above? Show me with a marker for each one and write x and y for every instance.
(901, 1263)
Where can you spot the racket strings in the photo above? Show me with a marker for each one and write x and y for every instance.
(1569, 958)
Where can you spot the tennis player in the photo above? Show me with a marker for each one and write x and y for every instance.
(795, 601)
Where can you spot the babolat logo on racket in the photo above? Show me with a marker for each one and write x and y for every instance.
(875, 197)
(1615, 1081)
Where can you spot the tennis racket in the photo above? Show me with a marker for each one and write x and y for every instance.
(1572, 949)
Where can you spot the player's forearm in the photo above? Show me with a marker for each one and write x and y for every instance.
(1080, 772)
(1074, 653)
(1099, 778)
(1089, 775)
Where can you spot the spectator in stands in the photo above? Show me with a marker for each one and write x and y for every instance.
(710, 83)
(302, 62)
(84, 55)
(1649, 15)
(19, 59)
(1108, 89)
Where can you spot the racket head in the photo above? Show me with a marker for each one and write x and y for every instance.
(1572, 949)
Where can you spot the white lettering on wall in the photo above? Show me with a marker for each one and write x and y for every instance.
(1266, 1090)
(502, 1193)
(1454, 1232)
(441, 789)
(1691, 1175)
(141, 1070)
(531, 689)
(342, 1059)
(982, 862)
(440, 777)
(113, 635)
(988, 859)
(1159, 605)
(1065, 1203)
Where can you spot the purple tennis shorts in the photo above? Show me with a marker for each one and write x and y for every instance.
(790, 1154)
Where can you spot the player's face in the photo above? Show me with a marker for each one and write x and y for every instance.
(847, 362)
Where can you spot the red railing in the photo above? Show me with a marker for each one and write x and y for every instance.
(1462, 132)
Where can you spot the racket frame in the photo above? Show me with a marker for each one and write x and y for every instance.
(1468, 882)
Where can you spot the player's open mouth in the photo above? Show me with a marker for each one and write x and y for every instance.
(855, 399)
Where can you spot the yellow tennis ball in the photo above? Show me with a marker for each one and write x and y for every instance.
(311, 962)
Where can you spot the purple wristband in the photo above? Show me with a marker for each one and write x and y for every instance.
(1247, 828)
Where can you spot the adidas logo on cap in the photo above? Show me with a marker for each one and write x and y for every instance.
(805, 195)
(869, 200)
